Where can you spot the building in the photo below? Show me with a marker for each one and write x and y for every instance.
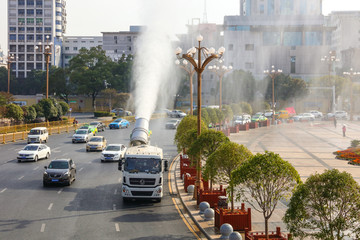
(72, 45)
(292, 35)
(116, 44)
(33, 25)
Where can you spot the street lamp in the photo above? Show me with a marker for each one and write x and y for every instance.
(190, 71)
(351, 74)
(330, 61)
(47, 53)
(272, 74)
(199, 66)
(220, 71)
(10, 59)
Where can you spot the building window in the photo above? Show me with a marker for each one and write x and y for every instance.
(21, 38)
(67, 48)
(39, 12)
(30, 38)
(12, 29)
(30, 29)
(262, 9)
(21, 29)
(30, 21)
(38, 65)
(75, 48)
(231, 47)
(39, 29)
(83, 41)
(249, 65)
(47, 29)
(30, 48)
(12, 37)
(271, 38)
(58, 22)
(30, 12)
(67, 57)
(21, 12)
(39, 3)
(249, 47)
(58, 14)
(21, 2)
(30, 2)
(39, 21)
(129, 38)
(21, 21)
(293, 64)
(39, 38)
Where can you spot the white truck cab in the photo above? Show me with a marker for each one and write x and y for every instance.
(143, 168)
(38, 135)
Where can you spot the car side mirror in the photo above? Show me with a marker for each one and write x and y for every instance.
(45, 167)
(120, 165)
(166, 164)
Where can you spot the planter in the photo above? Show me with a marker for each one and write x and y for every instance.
(226, 131)
(184, 168)
(190, 180)
(212, 197)
(239, 219)
(290, 120)
(244, 127)
(234, 129)
(272, 235)
(254, 125)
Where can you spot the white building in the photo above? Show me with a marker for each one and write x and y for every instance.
(31, 22)
(72, 45)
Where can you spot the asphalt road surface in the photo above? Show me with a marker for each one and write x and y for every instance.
(92, 207)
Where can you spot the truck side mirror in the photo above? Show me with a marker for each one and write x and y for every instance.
(120, 165)
(166, 163)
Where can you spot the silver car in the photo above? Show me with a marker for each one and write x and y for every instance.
(82, 135)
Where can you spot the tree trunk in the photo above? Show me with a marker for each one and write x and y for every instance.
(232, 197)
(266, 227)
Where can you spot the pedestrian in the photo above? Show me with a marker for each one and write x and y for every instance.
(344, 130)
(335, 122)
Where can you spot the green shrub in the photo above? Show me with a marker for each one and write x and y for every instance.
(355, 143)
(103, 114)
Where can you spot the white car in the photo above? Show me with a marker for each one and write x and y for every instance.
(338, 115)
(113, 152)
(316, 113)
(304, 117)
(176, 114)
(243, 119)
(82, 135)
(34, 152)
(268, 113)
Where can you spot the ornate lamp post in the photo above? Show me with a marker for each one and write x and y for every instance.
(190, 71)
(220, 71)
(199, 66)
(10, 59)
(351, 74)
(330, 59)
(47, 53)
(272, 74)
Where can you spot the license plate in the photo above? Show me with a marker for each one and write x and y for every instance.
(93, 147)
(55, 180)
(23, 157)
(108, 158)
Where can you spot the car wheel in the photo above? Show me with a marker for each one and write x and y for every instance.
(19, 160)
(126, 200)
(73, 141)
(47, 156)
(102, 161)
(35, 158)
(87, 150)
(44, 184)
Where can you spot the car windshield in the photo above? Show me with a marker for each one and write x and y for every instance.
(31, 148)
(112, 148)
(94, 123)
(84, 127)
(97, 139)
(58, 165)
(35, 132)
(150, 165)
(172, 121)
(239, 118)
(118, 120)
(81, 132)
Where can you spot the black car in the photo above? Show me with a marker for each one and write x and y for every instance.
(99, 125)
(59, 171)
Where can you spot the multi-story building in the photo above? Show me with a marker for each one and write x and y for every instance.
(118, 43)
(292, 35)
(33, 25)
(72, 45)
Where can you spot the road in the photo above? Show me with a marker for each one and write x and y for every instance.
(92, 207)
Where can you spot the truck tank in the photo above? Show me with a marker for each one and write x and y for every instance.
(140, 133)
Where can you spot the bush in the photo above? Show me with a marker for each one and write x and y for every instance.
(355, 143)
(103, 114)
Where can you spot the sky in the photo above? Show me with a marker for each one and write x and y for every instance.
(91, 17)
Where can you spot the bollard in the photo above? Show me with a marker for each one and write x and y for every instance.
(235, 236)
(203, 206)
(67, 128)
(225, 230)
(13, 137)
(209, 214)
(4, 139)
(58, 130)
(23, 135)
(190, 189)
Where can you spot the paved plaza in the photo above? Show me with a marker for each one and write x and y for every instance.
(307, 146)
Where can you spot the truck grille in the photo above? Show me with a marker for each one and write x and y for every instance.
(109, 155)
(55, 175)
(142, 181)
(139, 193)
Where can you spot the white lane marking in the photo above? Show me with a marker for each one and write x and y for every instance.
(117, 228)
(114, 207)
(119, 179)
(60, 191)
(81, 169)
(57, 149)
(3, 190)
(36, 168)
(115, 192)
(50, 206)
(42, 227)
(11, 149)
(21, 177)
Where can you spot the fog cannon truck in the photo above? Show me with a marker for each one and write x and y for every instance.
(143, 166)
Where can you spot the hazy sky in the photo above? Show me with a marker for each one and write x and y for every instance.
(91, 17)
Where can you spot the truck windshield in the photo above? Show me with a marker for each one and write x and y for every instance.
(150, 165)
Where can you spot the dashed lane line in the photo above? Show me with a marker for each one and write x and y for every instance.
(21, 177)
(50, 206)
(117, 227)
(119, 180)
(42, 229)
(115, 192)
(36, 168)
(81, 169)
(3, 190)
(60, 191)
(114, 207)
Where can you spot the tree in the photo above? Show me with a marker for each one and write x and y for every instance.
(212, 116)
(64, 107)
(268, 179)
(188, 124)
(227, 157)
(6, 98)
(29, 113)
(236, 108)
(204, 115)
(220, 115)
(121, 73)
(48, 109)
(59, 83)
(89, 70)
(326, 206)
(206, 144)
(228, 113)
(246, 108)
(3, 79)
(14, 112)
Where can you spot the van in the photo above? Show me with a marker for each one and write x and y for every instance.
(38, 135)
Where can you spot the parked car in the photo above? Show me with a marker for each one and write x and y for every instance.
(34, 152)
(243, 119)
(82, 135)
(119, 123)
(59, 171)
(38, 135)
(172, 124)
(337, 114)
(97, 143)
(121, 112)
(304, 117)
(316, 113)
(176, 114)
(258, 117)
(113, 152)
(283, 114)
(100, 126)
(268, 113)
